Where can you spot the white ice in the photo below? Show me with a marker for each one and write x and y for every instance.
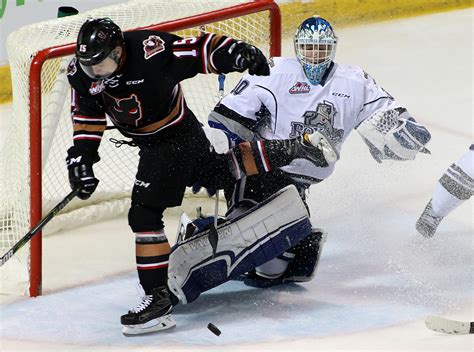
(377, 278)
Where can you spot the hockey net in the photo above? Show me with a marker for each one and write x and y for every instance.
(33, 172)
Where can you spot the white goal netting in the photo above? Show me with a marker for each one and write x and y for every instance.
(117, 167)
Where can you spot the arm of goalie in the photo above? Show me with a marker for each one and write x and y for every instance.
(236, 129)
(394, 134)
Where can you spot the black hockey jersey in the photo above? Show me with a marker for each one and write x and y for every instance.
(143, 97)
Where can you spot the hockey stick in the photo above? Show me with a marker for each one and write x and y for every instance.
(213, 235)
(38, 227)
(449, 326)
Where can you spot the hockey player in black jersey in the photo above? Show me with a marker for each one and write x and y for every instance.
(133, 78)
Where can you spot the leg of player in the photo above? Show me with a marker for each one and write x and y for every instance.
(152, 253)
(165, 169)
(160, 183)
(454, 187)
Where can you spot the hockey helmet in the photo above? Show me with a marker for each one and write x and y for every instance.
(315, 47)
(95, 48)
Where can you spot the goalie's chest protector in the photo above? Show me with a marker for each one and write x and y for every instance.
(296, 106)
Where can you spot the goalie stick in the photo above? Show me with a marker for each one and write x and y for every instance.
(449, 326)
(38, 227)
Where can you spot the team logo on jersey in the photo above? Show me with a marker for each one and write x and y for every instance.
(300, 88)
(153, 45)
(113, 81)
(71, 68)
(125, 111)
(322, 119)
(97, 87)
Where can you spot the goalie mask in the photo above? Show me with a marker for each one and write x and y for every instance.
(100, 47)
(315, 47)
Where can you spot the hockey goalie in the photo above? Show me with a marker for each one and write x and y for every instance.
(302, 96)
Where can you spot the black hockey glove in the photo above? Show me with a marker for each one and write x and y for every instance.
(249, 57)
(81, 175)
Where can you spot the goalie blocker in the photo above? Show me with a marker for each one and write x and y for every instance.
(245, 242)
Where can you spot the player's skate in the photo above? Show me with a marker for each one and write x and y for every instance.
(301, 268)
(152, 314)
(428, 221)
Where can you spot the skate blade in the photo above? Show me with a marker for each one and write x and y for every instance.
(162, 323)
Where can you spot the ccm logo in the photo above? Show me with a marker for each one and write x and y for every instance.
(73, 161)
(140, 183)
(138, 81)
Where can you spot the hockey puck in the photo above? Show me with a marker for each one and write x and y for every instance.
(214, 329)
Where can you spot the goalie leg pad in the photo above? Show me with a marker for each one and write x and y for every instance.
(253, 238)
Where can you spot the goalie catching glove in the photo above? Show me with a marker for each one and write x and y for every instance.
(247, 56)
(81, 175)
(394, 135)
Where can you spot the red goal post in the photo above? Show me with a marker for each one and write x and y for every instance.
(36, 99)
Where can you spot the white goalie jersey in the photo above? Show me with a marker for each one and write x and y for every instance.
(285, 105)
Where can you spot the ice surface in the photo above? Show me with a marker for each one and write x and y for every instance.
(377, 279)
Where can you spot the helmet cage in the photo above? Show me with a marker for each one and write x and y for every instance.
(315, 47)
